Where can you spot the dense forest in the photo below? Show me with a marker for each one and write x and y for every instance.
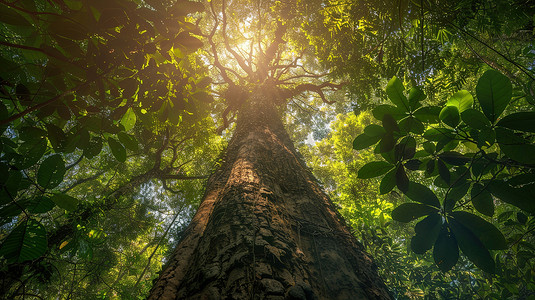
(289, 149)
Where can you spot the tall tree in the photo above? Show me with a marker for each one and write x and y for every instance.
(264, 229)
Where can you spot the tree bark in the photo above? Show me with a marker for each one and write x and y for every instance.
(265, 229)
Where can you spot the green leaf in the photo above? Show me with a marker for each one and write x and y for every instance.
(443, 171)
(374, 169)
(117, 149)
(455, 194)
(68, 28)
(427, 232)
(387, 143)
(428, 114)
(475, 119)
(522, 121)
(394, 90)
(40, 204)
(462, 100)
(128, 141)
(129, 119)
(411, 124)
(9, 16)
(364, 141)
(390, 124)
(450, 116)
(472, 247)
(65, 201)
(51, 172)
(388, 182)
(407, 212)
(454, 158)
(420, 193)
(56, 136)
(520, 197)
(437, 134)
(381, 110)
(415, 96)
(487, 233)
(482, 200)
(374, 130)
(446, 250)
(514, 146)
(429, 147)
(94, 147)
(402, 180)
(26, 242)
(31, 152)
(494, 91)
(406, 148)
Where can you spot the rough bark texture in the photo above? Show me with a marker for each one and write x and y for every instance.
(265, 230)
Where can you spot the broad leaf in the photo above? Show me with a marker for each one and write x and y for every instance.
(117, 149)
(394, 90)
(472, 247)
(475, 119)
(26, 242)
(462, 100)
(427, 232)
(374, 169)
(388, 182)
(482, 200)
(450, 116)
(494, 91)
(522, 121)
(520, 197)
(364, 141)
(129, 119)
(65, 201)
(407, 212)
(446, 250)
(487, 233)
(420, 193)
(51, 172)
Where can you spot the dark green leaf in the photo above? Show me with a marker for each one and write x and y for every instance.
(454, 158)
(411, 124)
(51, 172)
(520, 197)
(10, 16)
(415, 96)
(364, 141)
(475, 119)
(26, 242)
(31, 152)
(117, 149)
(394, 90)
(437, 134)
(522, 121)
(482, 200)
(390, 124)
(428, 114)
(443, 171)
(455, 194)
(402, 181)
(68, 28)
(381, 110)
(494, 92)
(420, 193)
(388, 182)
(406, 148)
(374, 130)
(40, 204)
(374, 169)
(407, 212)
(65, 201)
(521, 218)
(94, 147)
(413, 164)
(429, 147)
(427, 232)
(446, 251)
(450, 116)
(472, 247)
(387, 143)
(128, 141)
(514, 146)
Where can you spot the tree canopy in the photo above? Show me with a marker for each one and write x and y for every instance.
(416, 116)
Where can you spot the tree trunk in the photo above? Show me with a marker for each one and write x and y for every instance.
(264, 229)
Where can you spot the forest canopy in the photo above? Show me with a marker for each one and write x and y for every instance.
(415, 116)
